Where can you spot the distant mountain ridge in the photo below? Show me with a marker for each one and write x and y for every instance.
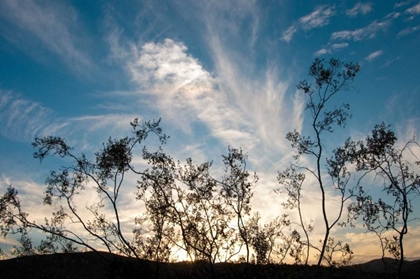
(391, 265)
(104, 265)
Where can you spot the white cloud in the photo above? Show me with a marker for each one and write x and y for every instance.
(168, 64)
(338, 46)
(364, 33)
(185, 91)
(54, 25)
(331, 49)
(374, 55)
(236, 105)
(393, 15)
(318, 18)
(397, 5)
(322, 51)
(288, 34)
(229, 106)
(359, 8)
(415, 10)
(408, 30)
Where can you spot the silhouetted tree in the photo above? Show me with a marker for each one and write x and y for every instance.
(330, 78)
(68, 185)
(399, 171)
(199, 207)
(292, 182)
(185, 208)
(236, 190)
(263, 238)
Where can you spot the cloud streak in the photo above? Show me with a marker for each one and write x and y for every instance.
(319, 17)
(359, 9)
(408, 31)
(415, 10)
(53, 25)
(400, 4)
(374, 55)
(331, 49)
(22, 120)
(360, 34)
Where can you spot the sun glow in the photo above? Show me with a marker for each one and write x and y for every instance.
(180, 255)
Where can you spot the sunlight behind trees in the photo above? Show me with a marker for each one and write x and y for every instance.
(186, 212)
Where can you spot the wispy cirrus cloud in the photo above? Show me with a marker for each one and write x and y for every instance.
(319, 17)
(359, 9)
(400, 4)
(390, 61)
(22, 119)
(238, 107)
(393, 15)
(184, 90)
(408, 30)
(335, 47)
(331, 49)
(25, 23)
(258, 94)
(364, 33)
(374, 55)
(415, 10)
(288, 34)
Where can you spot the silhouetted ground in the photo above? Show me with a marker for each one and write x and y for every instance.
(92, 265)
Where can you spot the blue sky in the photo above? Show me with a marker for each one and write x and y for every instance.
(218, 73)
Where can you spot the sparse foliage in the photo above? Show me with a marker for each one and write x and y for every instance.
(65, 188)
(330, 78)
(185, 207)
(263, 237)
(378, 155)
(237, 192)
(182, 206)
(292, 182)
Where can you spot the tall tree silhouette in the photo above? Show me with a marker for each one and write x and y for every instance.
(329, 79)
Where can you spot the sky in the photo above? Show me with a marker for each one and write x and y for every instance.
(218, 74)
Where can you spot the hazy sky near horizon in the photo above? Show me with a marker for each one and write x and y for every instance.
(218, 73)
